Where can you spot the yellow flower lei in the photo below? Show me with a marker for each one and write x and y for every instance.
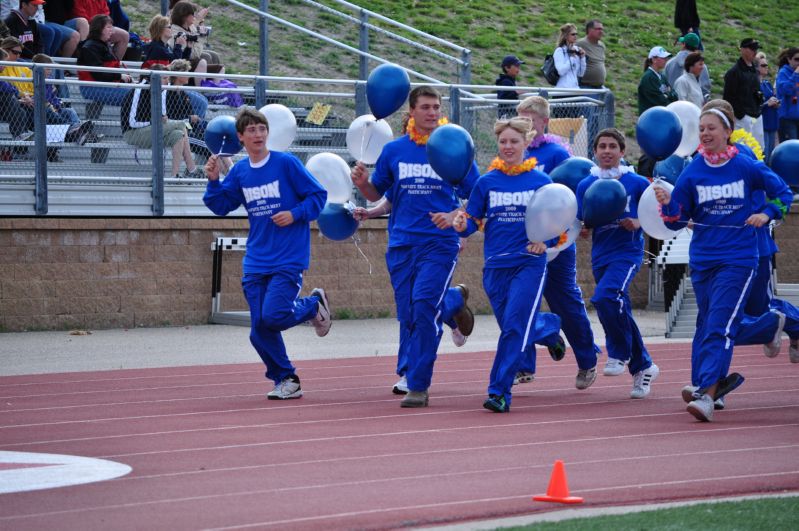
(418, 138)
(516, 169)
(741, 136)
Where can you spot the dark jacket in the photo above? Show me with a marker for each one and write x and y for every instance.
(135, 106)
(26, 32)
(742, 90)
(97, 53)
(654, 90)
(685, 15)
(156, 52)
(58, 11)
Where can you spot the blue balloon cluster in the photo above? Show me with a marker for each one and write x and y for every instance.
(785, 162)
(571, 171)
(336, 222)
(387, 89)
(603, 202)
(450, 151)
(671, 168)
(221, 137)
(659, 132)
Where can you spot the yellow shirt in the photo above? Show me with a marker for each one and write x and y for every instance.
(25, 87)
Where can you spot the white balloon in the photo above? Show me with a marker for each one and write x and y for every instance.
(366, 138)
(649, 212)
(282, 126)
(333, 174)
(551, 209)
(688, 113)
(572, 231)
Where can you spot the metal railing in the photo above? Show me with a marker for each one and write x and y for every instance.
(56, 175)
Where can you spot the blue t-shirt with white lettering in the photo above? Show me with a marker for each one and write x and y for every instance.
(403, 174)
(612, 242)
(719, 199)
(500, 200)
(548, 155)
(278, 183)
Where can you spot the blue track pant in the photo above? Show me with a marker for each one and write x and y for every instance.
(420, 275)
(565, 300)
(275, 306)
(761, 329)
(761, 293)
(721, 294)
(612, 302)
(515, 295)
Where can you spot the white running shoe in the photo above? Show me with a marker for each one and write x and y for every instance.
(793, 351)
(288, 388)
(523, 377)
(458, 338)
(401, 387)
(702, 408)
(642, 381)
(323, 320)
(614, 367)
(585, 377)
(772, 349)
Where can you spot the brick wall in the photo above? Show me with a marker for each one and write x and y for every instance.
(62, 273)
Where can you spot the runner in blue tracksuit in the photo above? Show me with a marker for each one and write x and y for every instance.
(515, 269)
(281, 199)
(562, 293)
(616, 256)
(715, 192)
(422, 248)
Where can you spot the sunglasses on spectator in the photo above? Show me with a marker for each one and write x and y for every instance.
(15, 52)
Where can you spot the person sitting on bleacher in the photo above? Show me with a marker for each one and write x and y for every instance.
(179, 106)
(12, 110)
(60, 12)
(183, 23)
(158, 51)
(118, 38)
(22, 25)
(95, 51)
(203, 30)
(13, 49)
(137, 129)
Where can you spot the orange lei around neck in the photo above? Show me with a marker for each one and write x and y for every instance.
(417, 137)
(516, 169)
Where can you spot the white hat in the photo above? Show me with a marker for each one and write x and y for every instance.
(658, 51)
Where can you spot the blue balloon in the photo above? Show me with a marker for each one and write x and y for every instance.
(659, 132)
(221, 137)
(785, 162)
(336, 222)
(450, 151)
(571, 171)
(603, 202)
(387, 89)
(671, 168)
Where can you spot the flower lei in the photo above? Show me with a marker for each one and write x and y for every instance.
(550, 139)
(418, 138)
(742, 136)
(612, 173)
(516, 169)
(718, 158)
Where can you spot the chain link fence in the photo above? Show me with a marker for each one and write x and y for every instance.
(86, 147)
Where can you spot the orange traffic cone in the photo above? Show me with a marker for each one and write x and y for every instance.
(558, 490)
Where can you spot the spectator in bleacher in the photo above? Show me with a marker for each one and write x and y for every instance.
(183, 20)
(137, 129)
(182, 105)
(57, 39)
(61, 13)
(21, 24)
(569, 58)
(200, 14)
(158, 51)
(96, 52)
(12, 110)
(88, 9)
(13, 49)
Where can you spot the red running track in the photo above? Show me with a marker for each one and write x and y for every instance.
(208, 451)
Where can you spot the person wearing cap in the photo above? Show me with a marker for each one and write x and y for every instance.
(675, 67)
(742, 90)
(22, 25)
(653, 90)
(511, 65)
(569, 58)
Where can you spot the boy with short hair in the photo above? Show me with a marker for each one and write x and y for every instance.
(281, 198)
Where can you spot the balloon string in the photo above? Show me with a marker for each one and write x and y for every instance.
(356, 240)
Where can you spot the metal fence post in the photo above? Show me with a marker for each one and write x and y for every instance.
(157, 131)
(263, 41)
(465, 73)
(40, 139)
(164, 7)
(363, 45)
(454, 104)
(261, 85)
(361, 105)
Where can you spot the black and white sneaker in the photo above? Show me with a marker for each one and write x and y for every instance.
(287, 389)
(323, 320)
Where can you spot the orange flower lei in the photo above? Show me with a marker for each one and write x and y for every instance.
(563, 239)
(516, 169)
(418, 138)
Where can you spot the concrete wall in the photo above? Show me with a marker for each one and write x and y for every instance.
(62, 273)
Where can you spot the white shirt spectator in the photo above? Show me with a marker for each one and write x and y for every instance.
(570, 66)
(688, 89)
